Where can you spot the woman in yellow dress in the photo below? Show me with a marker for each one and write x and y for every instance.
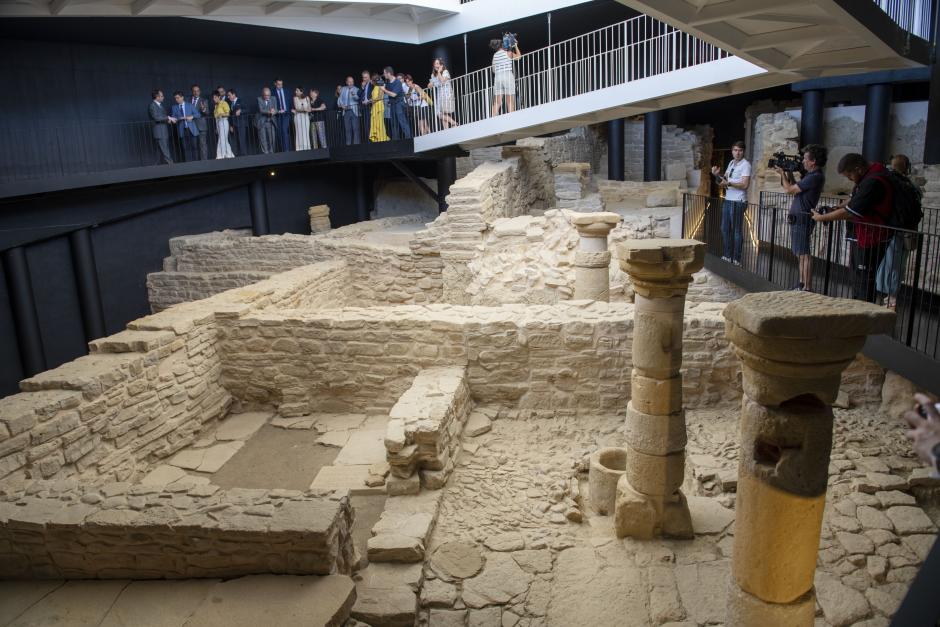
(377, 127)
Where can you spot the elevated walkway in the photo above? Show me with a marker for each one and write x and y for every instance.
(682, 52)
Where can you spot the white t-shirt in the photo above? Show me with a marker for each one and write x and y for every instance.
(501, 62)
(735, 173)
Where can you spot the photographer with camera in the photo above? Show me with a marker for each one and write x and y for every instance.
(505, 51)
(870, 207)
(735, 180)
(805, 194)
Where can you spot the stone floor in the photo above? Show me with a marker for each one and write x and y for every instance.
(515, 542)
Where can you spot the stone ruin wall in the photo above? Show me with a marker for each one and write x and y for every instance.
(69, 530)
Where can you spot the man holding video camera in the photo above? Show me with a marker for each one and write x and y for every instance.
(806, 194)
(505, 51)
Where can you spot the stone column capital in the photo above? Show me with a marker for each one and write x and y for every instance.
(794, 343)
(597, 224)
(661, 268)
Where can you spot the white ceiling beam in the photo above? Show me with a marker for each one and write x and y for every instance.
(212, 6)
(788, 36)
(139, 6)
(276, 7)
(332, 7)
(379, 9)
(57, 6)
(414, 14)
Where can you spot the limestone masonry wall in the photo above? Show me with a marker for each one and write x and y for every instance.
(67, 530)
(142, 394)
(579, 145)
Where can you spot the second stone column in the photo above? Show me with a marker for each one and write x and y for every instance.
(649, 502)
(592, 260)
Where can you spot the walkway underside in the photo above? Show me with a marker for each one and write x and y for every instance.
(800, 38)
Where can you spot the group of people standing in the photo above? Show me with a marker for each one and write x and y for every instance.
(191, 115)
(394, 106)
(881, 227)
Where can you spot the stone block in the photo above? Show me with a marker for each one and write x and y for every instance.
(658, 475)
(352, 478)
(655, 434)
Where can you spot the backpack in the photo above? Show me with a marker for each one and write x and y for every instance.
(907, 210)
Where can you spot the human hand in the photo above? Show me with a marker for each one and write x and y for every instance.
(716, 170)
(925, 428)
(172, 119)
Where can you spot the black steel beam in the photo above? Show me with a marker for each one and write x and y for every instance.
(23, 306)
(615, 149)
(812, 123)
(86, 282)
(258, 207)
(653, 146)
(877, 122)
(401, 167)
(446, 175)
(362, 199)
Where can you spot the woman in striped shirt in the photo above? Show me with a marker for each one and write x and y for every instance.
(504, 82)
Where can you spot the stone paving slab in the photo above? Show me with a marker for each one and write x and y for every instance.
(352, 478)
(18, 596)
(363, 447)
(158, 603)
(272, 600)
(209, 459)
(73, 604)
(241, 426)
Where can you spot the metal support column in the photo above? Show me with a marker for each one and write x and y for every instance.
(446, 175)
(86, 282)
(615, 143)
(258, 204)
(812, 122)
(23, 306)
(653, 146)
(362, 199)
(877, 122)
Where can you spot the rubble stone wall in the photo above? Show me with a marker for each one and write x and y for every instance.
(579, 145)
(65, 530)
(142, 394)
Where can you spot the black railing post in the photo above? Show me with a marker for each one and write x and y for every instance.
(23, 306)
(773, 243)
(918, 257)
(830, 229)
(685, 208)
(86, 280)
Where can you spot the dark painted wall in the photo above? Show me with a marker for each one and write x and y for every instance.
(131, 228)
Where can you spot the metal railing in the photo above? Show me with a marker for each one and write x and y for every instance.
(86, 148)
(904, 265)
(914, 16)
(635, 49)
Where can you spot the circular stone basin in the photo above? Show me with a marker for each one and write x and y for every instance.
(607, 466)
(458, 560)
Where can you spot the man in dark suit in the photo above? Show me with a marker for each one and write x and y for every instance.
(238, 122)
(201, 117)
(266, 121)
(365, 103)
(285, 102)
(161, 129)
(184, 116)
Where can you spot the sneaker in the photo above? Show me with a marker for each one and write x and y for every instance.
(736, 262)
(728, 259)
(797, 288)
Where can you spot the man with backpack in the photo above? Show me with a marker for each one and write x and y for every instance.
(891, 270)
(877, 202)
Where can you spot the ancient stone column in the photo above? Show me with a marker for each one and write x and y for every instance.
(649, 502)
(319, 219)
(592, 260)
(793, 347)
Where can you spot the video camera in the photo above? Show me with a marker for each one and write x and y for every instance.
(788, 163)
(510, 41)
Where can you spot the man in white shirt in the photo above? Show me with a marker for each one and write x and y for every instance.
(736, 178)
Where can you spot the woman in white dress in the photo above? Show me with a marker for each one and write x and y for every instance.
(443, 94)
(301, 113)
(417, 101)
(220, 112)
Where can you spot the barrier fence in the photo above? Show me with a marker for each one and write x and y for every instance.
(902, 264)
(915, 16)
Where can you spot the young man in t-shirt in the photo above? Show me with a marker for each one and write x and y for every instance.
(735, 181)
(504, 81)
(805, 198)
(869, 207)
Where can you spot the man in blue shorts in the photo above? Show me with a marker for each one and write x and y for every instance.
(806, 194)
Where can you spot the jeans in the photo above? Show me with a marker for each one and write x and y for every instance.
(865, 262)
(400, 126)
(891, 269)
(732, 228)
